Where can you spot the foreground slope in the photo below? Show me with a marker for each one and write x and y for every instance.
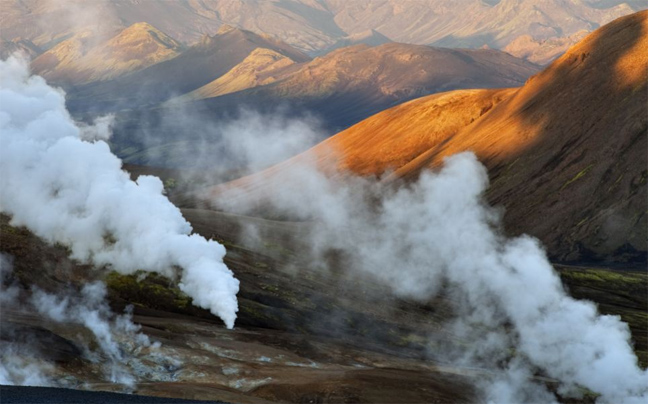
(312, 337)
(565, 153)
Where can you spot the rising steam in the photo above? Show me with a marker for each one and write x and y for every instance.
(118, 339)
(91, 310)
(513, 311)
(71, 191)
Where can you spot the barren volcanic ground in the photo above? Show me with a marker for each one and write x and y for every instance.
(301, 335)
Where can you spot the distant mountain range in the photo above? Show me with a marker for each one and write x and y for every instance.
(237, 69)
(197, 66)
(538, 30)
(566, 152)
(84, 58)
(351, 83)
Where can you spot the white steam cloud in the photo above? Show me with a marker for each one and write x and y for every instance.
(439, 232)
(71, 191)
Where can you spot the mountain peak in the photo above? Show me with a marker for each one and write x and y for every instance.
(225, 28)
(140, 26)
(369, 33)
(205, 39)
(143, 32)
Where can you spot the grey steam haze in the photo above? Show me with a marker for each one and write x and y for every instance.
(117, 337)
(437, 233)
(512, 310)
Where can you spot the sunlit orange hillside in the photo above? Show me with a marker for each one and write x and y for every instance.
(566, 152)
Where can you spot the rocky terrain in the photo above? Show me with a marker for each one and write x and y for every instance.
(197, 66)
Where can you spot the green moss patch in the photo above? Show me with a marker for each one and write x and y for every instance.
(149, 290)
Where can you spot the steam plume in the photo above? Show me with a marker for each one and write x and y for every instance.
(513, 308)
(23, 361)
(91, 310)
(71, 191)
(17, 366)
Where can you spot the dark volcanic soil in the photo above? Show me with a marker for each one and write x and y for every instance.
(301, 336)
(49, 395)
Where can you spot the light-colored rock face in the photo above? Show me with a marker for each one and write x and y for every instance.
(542, 51)
(86, 57)
(314, 26)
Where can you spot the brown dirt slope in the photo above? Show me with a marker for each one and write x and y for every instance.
(566, 152)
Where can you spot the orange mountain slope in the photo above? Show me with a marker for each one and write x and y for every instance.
(566, 152)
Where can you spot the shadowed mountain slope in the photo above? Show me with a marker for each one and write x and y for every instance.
(26, 47)
(197, 66)
(369, 37)
(352, 83)
(261, 67)
(399, 70)
(566, 153)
